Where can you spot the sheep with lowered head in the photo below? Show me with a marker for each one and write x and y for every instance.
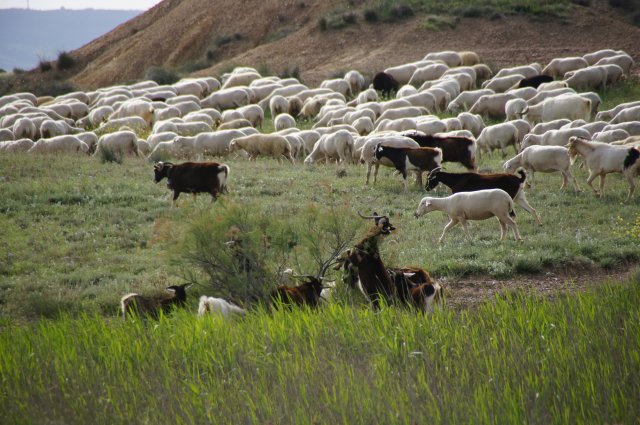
(218, 307)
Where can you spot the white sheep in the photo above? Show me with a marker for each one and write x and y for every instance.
(186, 107)
(594, 57)
(241, 79)
(192, 87)
(544, 159)
(355, 80)
(479, 205)
(501, 84)
(339, 85)
(592, 77)
(283, 121)
(364, 125)
(336, 146)
(51, 128)
(569, 106)
(60, 144)
(624, 61)
(471, 122)
(218, 307)
(631, 127)
(527, 71)
(543, 95)
(627, 114)
(602, 159)
(523, 127)
(427, 73)
(237, 123)
(120, 143)
(273, 145)
(554, 137)
(278, 105)
(95, 117)
(183, 128)
(21, 145)
(610, 136)
(498, 136)
(405, 91)
(543, 127)
(135, 108)
(24, 128)
(230, 98)
(514, 108)
(610, 113)
(466, 99)
(402, 73)
(449, 57)
(483, 72)
(559, 66)
(492, 105)
(525, 93)
(137, 124)
(6, 134)
(552, 85)
(404, 112)
(469, 58)
(90, 138)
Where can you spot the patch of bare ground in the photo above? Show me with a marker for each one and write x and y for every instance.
(471, 291)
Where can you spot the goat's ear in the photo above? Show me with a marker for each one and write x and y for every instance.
(170, 289)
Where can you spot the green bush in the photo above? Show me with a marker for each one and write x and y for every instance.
(370, 15)
(161, 75)
(45, 66)
(65, 61)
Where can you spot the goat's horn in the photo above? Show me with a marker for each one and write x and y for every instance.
(368, 217)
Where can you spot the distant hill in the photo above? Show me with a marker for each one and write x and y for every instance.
(27, 36)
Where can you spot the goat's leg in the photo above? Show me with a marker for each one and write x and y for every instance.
(530, 179)
(590, 179)
(174, 202)
(602, 177)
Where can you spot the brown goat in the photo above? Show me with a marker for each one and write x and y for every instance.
(410, 159)
(307, 293)
(151, 306)
(454, 148)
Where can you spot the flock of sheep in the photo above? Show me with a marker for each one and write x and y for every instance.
(549, 115)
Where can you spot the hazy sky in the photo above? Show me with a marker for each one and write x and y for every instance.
(79, 4)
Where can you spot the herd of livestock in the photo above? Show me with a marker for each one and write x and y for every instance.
(548, 114)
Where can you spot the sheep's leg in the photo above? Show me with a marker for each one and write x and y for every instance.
(569, 176)
(449, 225)
(602, 177)
(632, 184)
(368, 172)
(531, 179)
(590, 179)
(503, 229)
(521, 200)
(375, 172)
(564, 180)
(514, 226)
(466, 228)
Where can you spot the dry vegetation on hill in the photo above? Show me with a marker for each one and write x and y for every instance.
(320, 38)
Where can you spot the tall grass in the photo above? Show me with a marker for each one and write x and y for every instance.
(519, 359)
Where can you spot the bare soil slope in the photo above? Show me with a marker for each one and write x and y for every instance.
(280, 34)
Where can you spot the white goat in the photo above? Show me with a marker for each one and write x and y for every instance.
(479, 205)
(602, 159)
(218, 306)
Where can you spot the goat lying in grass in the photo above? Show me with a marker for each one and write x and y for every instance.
(151, 306)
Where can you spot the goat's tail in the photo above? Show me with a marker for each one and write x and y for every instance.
(522, 174)
(632, 157)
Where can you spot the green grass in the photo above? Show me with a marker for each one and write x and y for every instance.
(518, 359)
(77, 233)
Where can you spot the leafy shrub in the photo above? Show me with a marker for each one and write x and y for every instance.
(349, 18)
(370, 15)
(109, 155)
(222, 39)
(45, 66)
(161, 75)
(322, 24)
(18, 71)
(65, 61)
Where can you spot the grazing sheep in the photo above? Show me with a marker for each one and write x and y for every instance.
(20, 145)
(624, 61)
(471, 122)
(498, 136)
(526, 71)
(51, 128)
(602, 159)
(625, 115)
(278, 105)
(229, 98)
(568, 106)
(560, 66)
(502, 84)
(466, 99)
(6, 135)
(469, 58)
(337, 146)
(144, 306)
(492, 105)
(554, 137)
(543, 127)
(339, 85)
(137, 124)
(364, 125)
(283, 121)
(234, 124)
(355, 80)
(610, 113)
(135, 107)
(479, 205)
(427, 73)
(120, 143)
(545, 159)
(273, 145)
(218, 307)
(384, 82)
(610, 136)
(24, 128)
(450, 58)
(594, 57)
(483, 72)
(60, 144)
(553, 85)
(367, 152)
(593, 77)
(514, 108)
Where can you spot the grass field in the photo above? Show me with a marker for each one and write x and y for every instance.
(77, 234)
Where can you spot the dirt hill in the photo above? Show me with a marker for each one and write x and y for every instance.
(278, 35)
